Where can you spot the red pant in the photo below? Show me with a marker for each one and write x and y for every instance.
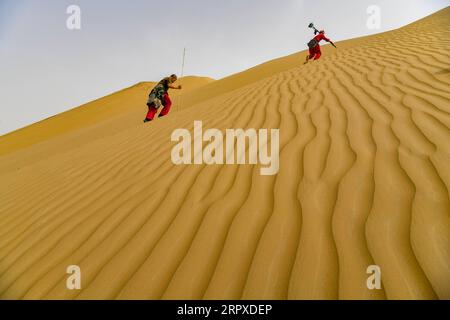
(315, 52)
(166, 102)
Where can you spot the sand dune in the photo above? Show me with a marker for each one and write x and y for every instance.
(116, 105)
(364, 180)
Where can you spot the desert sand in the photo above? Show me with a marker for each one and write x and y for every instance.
(364, 180)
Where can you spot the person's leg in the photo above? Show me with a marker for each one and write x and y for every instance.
(167, 103)
(151, 112)
(318, 53)
(307, 59)
(310, 56)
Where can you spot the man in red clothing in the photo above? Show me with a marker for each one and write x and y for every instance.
(314, 46)
(160, 95)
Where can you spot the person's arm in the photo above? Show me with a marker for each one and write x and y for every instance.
(176, 88)
(328, 40)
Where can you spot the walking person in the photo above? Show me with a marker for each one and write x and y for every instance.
(160, 96)
(314, 46)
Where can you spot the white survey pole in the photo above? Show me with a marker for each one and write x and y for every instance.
(182, 74)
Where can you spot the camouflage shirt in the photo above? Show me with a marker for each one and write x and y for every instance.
(161, 88)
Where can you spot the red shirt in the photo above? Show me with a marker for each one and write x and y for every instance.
(320, 37)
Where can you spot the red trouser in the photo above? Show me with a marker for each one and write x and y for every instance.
(166, 102)
(315, 52)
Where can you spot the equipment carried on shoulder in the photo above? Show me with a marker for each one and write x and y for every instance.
(313, 42)
(311, 25)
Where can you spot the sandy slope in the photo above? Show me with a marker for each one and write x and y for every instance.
(116, 105)
(364, 179)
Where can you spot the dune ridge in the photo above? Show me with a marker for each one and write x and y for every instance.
(364, 180)
(115, 105)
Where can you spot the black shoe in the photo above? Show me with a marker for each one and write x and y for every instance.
(147, 120)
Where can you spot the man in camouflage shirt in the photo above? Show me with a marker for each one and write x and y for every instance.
(160, 95)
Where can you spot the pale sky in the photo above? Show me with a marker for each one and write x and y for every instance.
(46, 69)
